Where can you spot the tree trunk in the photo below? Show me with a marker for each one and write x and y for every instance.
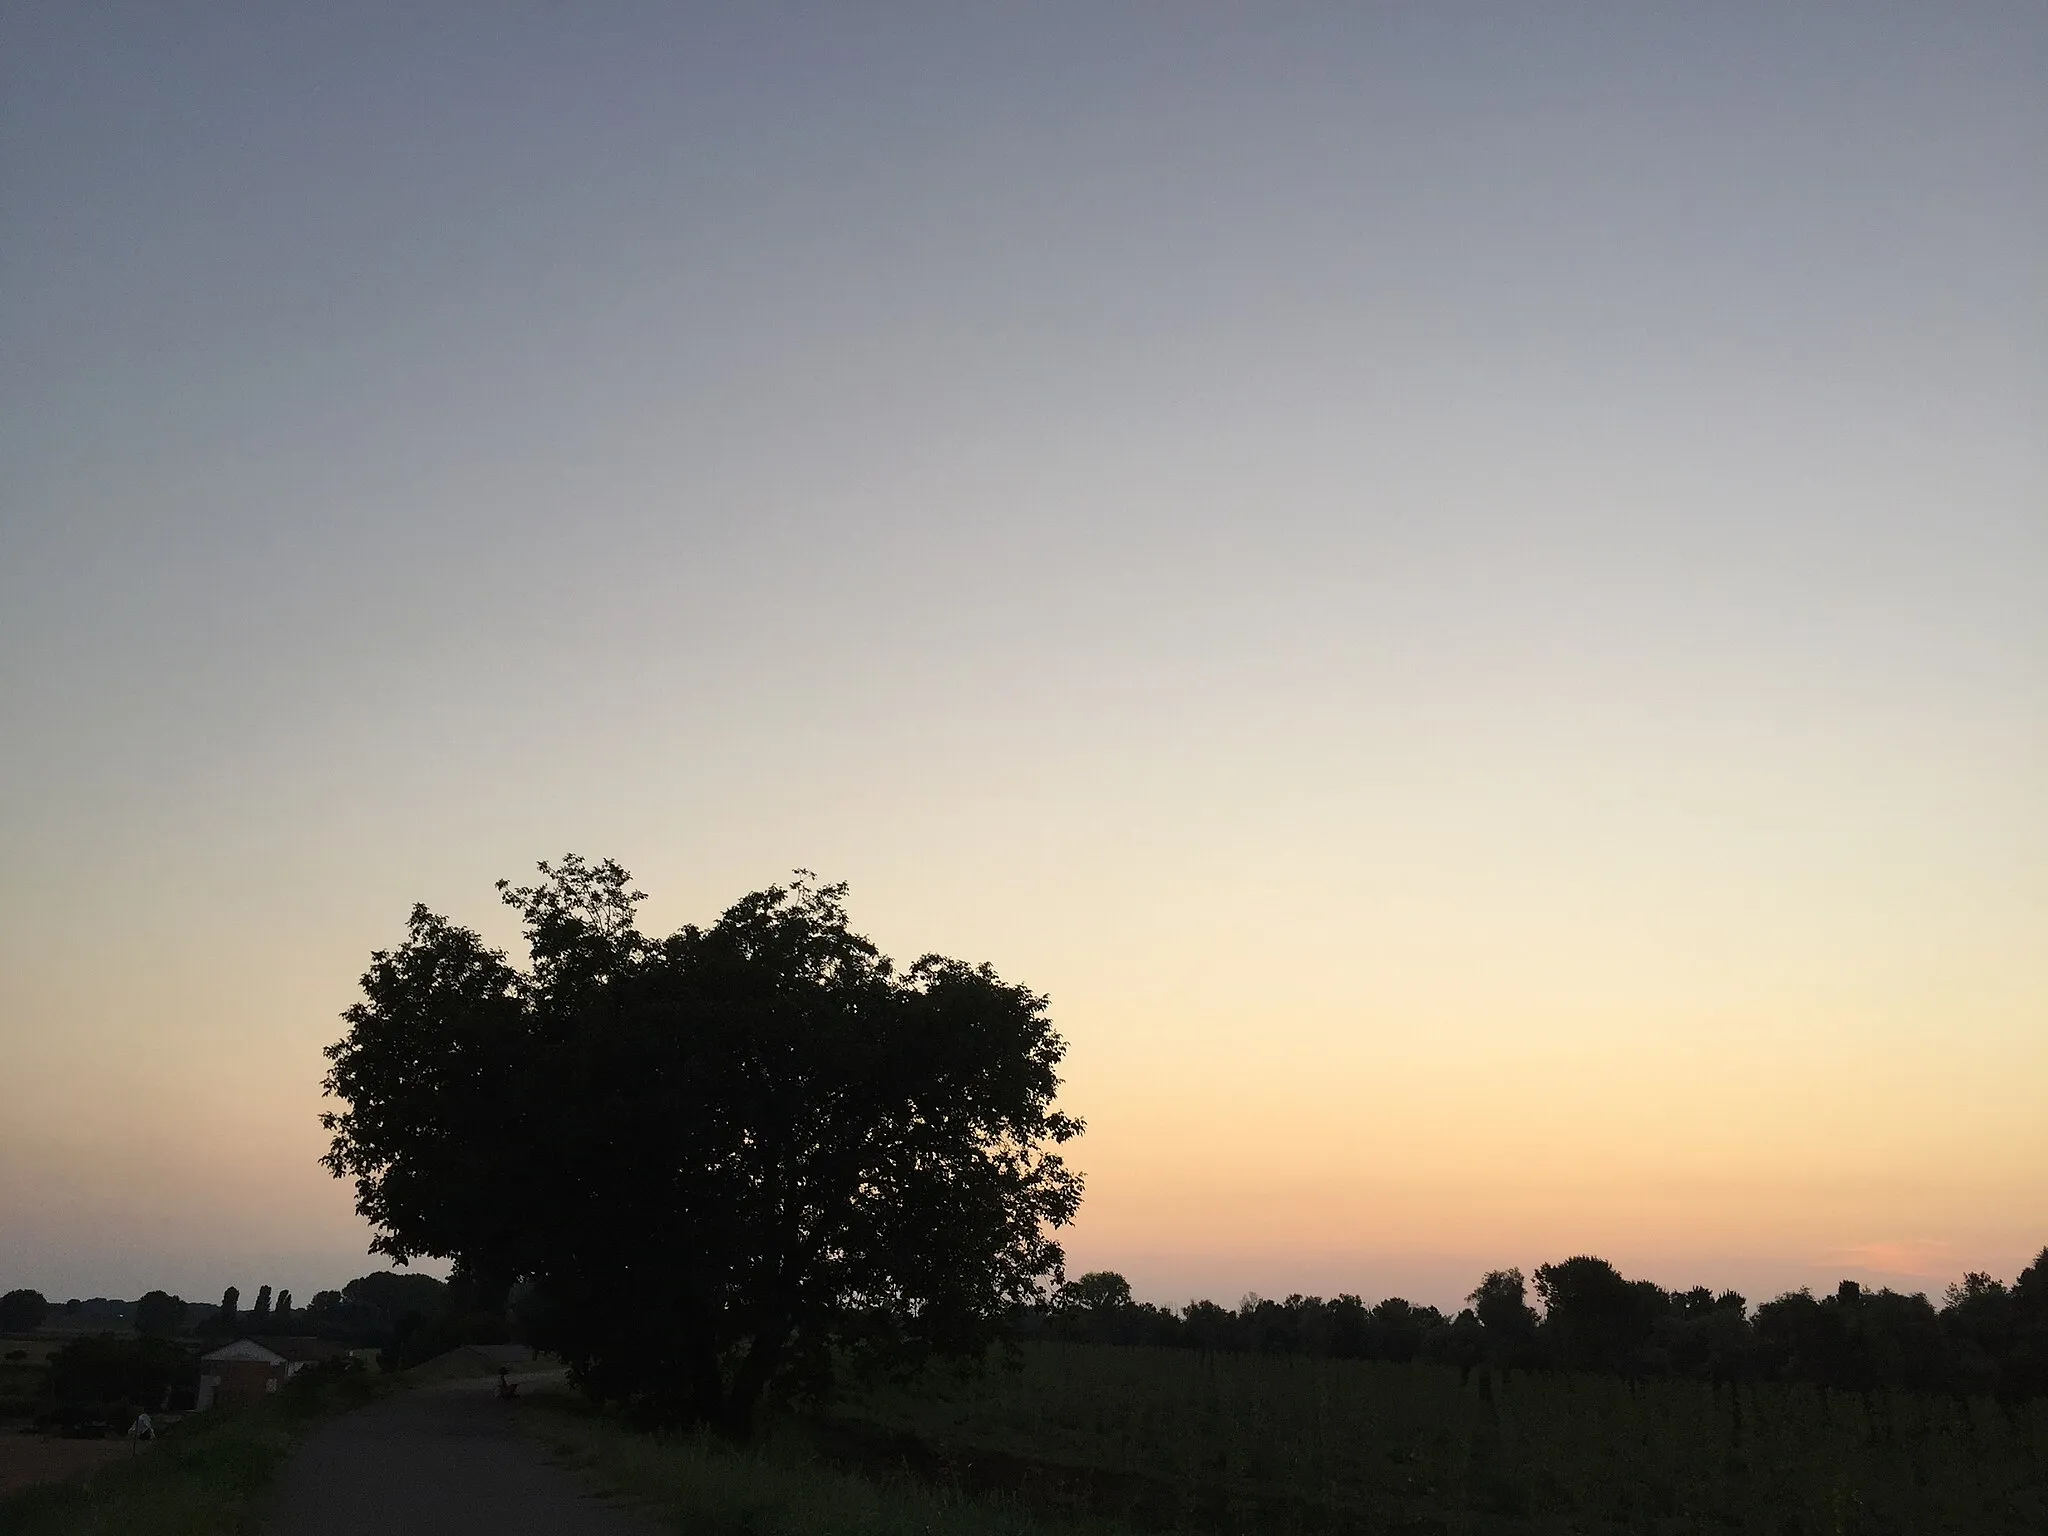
(741, 1411)
(707, 1382)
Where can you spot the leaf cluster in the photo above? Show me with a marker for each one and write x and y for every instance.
(715, 1155)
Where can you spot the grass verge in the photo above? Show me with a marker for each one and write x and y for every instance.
(704, 1487)
(205, 1476)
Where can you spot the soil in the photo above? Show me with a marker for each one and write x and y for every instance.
(29, 1459)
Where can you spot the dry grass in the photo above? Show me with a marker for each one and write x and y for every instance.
(26, 1460)
(35, 1352)
(205, 1476)
(699, 1485)
(1179, 1440)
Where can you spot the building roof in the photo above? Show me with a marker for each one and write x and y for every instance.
(277, 1349)
(244, 1349)
(503, 1354)
(301, 1349)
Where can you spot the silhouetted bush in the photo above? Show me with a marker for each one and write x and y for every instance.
(90, 1378)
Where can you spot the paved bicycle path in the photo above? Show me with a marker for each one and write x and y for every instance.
(438, 1461)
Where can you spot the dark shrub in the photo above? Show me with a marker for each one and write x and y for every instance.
(102, 1369)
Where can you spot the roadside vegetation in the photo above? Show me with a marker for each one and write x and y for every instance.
(203, 1476)
(779, 1485)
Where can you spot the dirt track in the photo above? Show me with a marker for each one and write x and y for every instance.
(441, 1461)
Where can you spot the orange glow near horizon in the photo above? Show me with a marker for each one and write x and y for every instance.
(1466, 599)
(1282, 1113)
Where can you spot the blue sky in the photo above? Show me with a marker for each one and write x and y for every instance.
(1483, 545)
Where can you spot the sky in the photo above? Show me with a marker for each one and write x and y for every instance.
(1465, 587)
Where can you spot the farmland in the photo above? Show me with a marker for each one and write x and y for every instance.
(22, 1362)
(1184, 1440)
(26, 1460)
(697, 1483)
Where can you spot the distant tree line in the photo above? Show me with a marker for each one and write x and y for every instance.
(227, 1320)
(1985, 1337)
(410, 1317)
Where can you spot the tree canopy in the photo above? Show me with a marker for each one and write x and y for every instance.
(159, 1315)
(22, 1311)
(714, 1155)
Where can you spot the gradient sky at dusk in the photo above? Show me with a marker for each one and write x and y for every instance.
(1466, 587)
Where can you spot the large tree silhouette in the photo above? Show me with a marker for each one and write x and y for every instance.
(715, 1154)
(1593, 1319)
(22, 1311)
(159, 1315)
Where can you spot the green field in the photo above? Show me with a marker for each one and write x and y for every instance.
(1179, 1440)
